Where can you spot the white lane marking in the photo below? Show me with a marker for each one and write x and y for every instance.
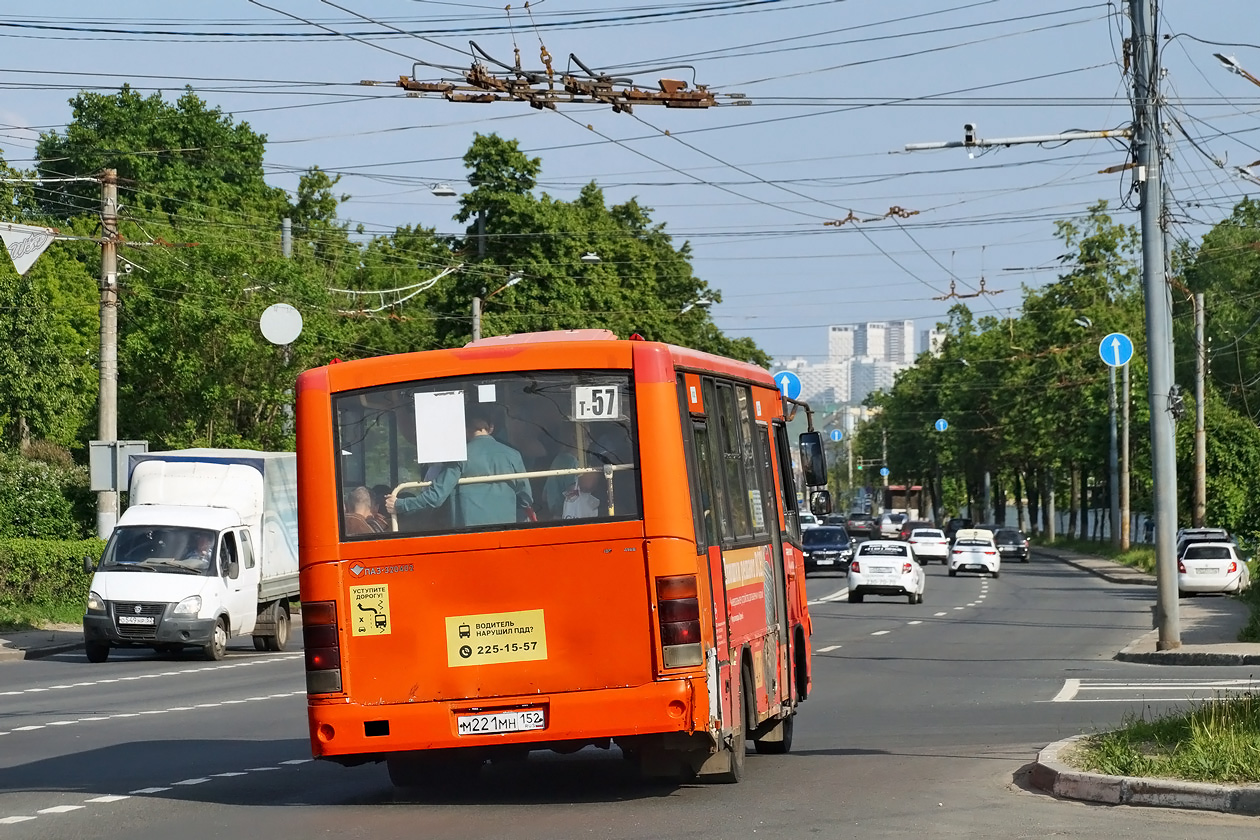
(914, 622)
(971, 603)
(1070, 687)
(829, 648)
(260, 660)
(33, 727)
(60, 809)
(111, 798)
(939, 614)
(960, 608)
(227, 775)
(149, 790)
(826, 599)
(202, 780)
(881, 632)
(13, 820)
(296, 761)
(259, 769)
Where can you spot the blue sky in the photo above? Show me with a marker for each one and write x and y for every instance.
(836, 88)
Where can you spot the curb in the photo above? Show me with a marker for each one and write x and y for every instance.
(1131, 578)
(8, 654)
(1051, 775)
(1182, 657)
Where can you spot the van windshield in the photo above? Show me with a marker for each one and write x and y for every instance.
(160, 548)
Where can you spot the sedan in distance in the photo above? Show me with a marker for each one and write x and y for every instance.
(929, 544)
(1012, 544)
(974, 550)
(826, 547)
(1211, 567)
(886, 567)
(861, 525)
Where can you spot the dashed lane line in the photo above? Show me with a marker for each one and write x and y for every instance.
(829, 648)
(881, 632)
(261, 660)
(98, 718)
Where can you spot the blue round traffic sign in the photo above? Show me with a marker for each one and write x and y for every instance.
(941, 425)
(837, 435)
(789, 384)
(1116, 349)
(883, 471)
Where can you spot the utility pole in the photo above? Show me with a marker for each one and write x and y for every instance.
(1113, 460)
(1158, 318)
(1200, 431)
(476, 318)
(107, 424)
(885, 457)
(1124, 462)
(286, 237)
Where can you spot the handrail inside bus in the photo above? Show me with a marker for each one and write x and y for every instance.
(607, 470)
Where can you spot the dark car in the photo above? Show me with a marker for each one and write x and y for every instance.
(1012, 544)
(861, 525)
(956, 524)
(827, 548)
(911, 524)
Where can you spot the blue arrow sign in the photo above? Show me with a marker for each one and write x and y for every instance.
(941, 425)
(883, 471)
(1116, 349)
(837, 435)
(789, 384)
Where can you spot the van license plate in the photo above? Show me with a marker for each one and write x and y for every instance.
(497, 724)
(146, 620)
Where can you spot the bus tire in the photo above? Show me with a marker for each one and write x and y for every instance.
(801, 669)
(777, 740)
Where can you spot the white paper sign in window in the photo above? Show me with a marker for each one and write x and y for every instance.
(596, 402)
(440, 434)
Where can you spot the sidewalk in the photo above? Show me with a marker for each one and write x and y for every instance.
(1209, 636)
(16, 645)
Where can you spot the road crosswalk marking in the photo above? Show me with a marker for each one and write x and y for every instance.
(1168, 690)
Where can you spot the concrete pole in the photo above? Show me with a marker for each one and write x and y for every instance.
(476, 318)
(1200, 429)
(286, 237)
(1113, 461)
(481, 234)
(107, 423)
(1125, 515)
(1158, 319)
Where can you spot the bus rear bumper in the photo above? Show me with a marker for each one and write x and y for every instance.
(352, 733)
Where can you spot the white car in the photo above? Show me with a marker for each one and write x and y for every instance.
(974, 551)
(929, 544)
(807, 520)
(890, 525)
(885, 567)
(1211, 567)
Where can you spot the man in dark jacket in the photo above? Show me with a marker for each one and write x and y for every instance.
(479, 503)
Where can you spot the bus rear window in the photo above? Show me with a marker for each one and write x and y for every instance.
(478, 453)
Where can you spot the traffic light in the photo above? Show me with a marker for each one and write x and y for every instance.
(859, 466)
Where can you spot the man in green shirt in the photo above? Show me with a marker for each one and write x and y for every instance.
(479, 503)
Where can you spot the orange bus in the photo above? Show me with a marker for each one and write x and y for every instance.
(575, 540)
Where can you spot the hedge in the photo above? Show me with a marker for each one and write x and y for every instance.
(46, 573)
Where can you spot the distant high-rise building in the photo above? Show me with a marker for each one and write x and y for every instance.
(840, 343)
(872, 340)
(901, 342)
(931, 341)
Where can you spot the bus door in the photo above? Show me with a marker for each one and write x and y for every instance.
(766, 475)
(708, 539)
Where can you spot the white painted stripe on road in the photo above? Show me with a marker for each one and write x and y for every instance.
(198, 781)
(258, 660)
(92, 719)
(34, 727)
(296, 761)
(881, 632)
(960, 608)
(827, 599)
(111, 798)
(27, 728)
(14, 820)
(939, 614)
(829, 648)
(1070, 687)
(227, 775)
(149, 790)
(259, 769)
(914, 622)
(180, 708)
(60, 809)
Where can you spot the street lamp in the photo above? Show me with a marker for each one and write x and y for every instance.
(590, 258)
(478, 301)
(443, 190)
(694, 304)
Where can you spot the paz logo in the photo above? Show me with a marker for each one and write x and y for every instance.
(356, 570)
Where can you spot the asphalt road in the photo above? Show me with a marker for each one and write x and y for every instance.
(921, 722)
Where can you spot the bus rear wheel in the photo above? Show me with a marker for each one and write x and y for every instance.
(777, 740)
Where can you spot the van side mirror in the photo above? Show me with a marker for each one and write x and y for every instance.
(813, 459)
(820, 502)
(89, 565)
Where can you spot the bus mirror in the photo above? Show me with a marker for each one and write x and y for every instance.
(813, 459)
(820, 502)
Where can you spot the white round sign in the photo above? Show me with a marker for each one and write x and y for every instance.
(281, 323)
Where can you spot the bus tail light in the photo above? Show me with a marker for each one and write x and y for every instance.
(323, 653)
(678, 605)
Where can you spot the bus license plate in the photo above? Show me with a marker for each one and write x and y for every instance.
(497, 724)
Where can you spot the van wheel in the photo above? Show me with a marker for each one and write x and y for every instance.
(260, 642)
(215, 649)
(281, 638)
(97, 652)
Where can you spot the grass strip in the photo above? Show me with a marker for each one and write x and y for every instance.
(1217, 740)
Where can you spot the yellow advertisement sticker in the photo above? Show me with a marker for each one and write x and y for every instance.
(495, 637)
(369, 610)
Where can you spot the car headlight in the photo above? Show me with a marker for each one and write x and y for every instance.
(189, 606)
(95, 604)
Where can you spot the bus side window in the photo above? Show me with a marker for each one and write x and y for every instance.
(708, 499)
(787, 483)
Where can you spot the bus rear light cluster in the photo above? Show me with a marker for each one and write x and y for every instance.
(678, 605)
(323, 652)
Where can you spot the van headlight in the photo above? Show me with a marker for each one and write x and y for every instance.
(96, 604)
(189, 606)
